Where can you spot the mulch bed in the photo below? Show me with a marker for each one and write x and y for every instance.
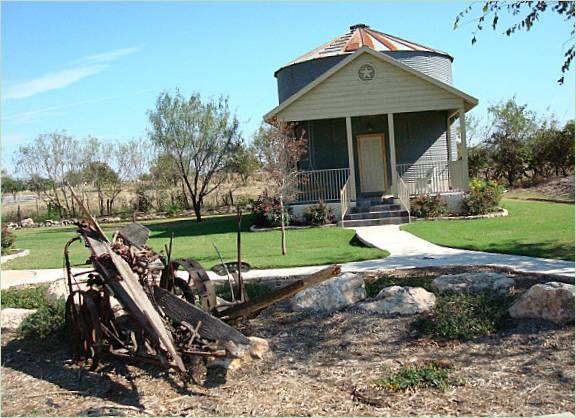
(318, 365)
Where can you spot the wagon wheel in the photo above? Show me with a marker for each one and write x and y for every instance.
(93, 344)
(73, 328)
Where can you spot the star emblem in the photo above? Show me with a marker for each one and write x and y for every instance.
(366, 72)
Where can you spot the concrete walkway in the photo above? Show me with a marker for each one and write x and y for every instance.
(406, 251)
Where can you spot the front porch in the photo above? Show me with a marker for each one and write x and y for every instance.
(366, 158)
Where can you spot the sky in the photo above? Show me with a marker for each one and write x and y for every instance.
(97, 68)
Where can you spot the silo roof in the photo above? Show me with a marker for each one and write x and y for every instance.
(362, 35)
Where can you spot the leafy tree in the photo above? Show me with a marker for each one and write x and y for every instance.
(200, 137)
(101, 176)
(478, 161)
(280, 148)
(529, 13)
(512, 126)
(12, 185)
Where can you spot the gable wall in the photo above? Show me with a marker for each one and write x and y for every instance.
(393, 90)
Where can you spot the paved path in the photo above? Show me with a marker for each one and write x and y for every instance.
(406, 251)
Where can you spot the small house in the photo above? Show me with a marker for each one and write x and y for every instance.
(382, 122)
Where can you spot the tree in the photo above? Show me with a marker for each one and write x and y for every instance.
(280, 148)
(200, 137)
(102, 177)
(51, 156)
(12, 185)
(513, 125)
(530, 12)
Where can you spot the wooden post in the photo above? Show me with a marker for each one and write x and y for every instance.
(461, 115)
(392, 148)
(241, 289)
(449, 137)
(350, 141)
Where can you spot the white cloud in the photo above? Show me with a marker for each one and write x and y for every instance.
(50, 81)
(109, 56)
(86, 66)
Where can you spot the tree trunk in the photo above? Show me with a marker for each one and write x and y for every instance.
(282, 228)
(197, 209)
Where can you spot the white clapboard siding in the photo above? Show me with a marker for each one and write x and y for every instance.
(393, 90)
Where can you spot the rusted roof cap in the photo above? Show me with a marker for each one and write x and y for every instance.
(358, 36)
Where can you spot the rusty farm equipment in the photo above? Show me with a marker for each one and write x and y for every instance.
(139, 305)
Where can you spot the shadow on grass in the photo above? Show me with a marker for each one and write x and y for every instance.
(545, 249)
(189, 227)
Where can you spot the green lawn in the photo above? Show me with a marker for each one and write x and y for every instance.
(312, 246)
(538, 229)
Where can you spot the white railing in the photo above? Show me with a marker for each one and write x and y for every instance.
(345, 198)
(325, 185)
(429, 177)
(403, 195)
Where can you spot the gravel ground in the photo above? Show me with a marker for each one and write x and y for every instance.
(318, 365)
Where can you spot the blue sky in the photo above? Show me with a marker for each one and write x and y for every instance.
(96, 68)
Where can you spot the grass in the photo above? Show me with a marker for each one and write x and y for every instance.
(312, 246)
(464, 316)
(417, 376)
(537, 229)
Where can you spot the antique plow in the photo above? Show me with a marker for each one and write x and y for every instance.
(135, 304)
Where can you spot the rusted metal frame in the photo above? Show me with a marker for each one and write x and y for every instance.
(69, 274)
(241, 288)
(259, 303)
(230, 279)
(202, 283)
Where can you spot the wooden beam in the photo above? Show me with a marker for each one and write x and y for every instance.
(464, 145)
(350, 141)
(392, 148)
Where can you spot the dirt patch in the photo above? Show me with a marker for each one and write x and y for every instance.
(319, 365)
(558, 188)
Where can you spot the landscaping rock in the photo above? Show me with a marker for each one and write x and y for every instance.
(27, 222)
(474, 282)
(334, 294)
(552, 301)
(397, 300)
(242, 354)
(12, 318)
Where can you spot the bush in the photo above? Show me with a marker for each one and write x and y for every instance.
(464, 316)
(26, 298)
(47, 320)
(483, 197)
(319, 214)
(428, 206)
(8, 239)
(413, 376)
(267, 212)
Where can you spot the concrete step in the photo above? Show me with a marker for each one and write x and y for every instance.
(376, 201)
(397, 220)
(375, 208)
(375, 214)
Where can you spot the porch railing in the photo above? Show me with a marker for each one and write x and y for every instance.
(403, 195)
(323, 185)
(429, 177)
(345, 198)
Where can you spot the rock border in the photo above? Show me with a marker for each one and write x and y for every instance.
(18, 253)
(254, 228)
(500, 213)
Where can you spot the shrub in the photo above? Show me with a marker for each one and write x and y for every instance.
(428, 206)
(26, 298)
(8, 239)
(267, 212)
(254, 290)
(47, 320)
(319, 214)
(464, 316)
(413, 376)
(483, 197)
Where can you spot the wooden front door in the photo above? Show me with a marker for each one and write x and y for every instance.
(371, 163)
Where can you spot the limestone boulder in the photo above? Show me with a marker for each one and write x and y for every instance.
(552, 301)
(473, 282)
(398, 300)
(12, 318)
(27, 223)
(334, 294)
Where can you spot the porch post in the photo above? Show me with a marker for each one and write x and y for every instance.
(462, 116)
(351, 158)
(449, 137)
(392, 148)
